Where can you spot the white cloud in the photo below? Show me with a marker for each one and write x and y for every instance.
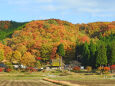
(92, 7)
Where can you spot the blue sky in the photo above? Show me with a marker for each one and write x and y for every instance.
(75, 11)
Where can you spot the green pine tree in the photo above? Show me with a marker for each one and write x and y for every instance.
(86, 55)
(92, 53)
(60, 52)
(113, 53)
(101, 55)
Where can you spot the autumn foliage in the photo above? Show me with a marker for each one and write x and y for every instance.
(38, 58)
(8, 69)
(112, 67)
(89, 68)
(76, 68)
(1, 69)
(38, 40)
(106, 69)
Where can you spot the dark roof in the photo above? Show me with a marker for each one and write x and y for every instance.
(2, 65)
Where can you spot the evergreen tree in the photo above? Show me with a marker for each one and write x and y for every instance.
(60, 52)
(113, 53)
(86, 55)
(101, 55)
(92, 53)
(109, 52)
(78, 51)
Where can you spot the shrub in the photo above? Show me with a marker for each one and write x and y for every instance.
(1, 69)
(38, 58)
(106, 69)
(112, 67)
(8, 69)
(76, 68)
(89, 68)
(100, 68)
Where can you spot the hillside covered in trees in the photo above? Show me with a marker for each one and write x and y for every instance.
(8, 27)
(36, 43)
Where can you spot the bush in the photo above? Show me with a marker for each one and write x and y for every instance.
(106, 69)
(38, 58)
(76, 68)
(112, 67)
(100, 68)
(1, 69)
(8, 70)
(89, 68)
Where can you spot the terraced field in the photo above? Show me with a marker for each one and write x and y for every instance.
(26, 83)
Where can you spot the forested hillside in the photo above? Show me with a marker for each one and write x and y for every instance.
(35, 43)
(8, 27)
(98, 28)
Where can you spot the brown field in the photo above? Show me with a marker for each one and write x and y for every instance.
(95, 82)
(25, 83)
(36, 79)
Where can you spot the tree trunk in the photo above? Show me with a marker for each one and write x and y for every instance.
(61, 62)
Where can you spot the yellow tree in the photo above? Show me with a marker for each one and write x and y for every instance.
(16, 56)
(1, 55)
(28, 59)
(8, 53)
(21, 48)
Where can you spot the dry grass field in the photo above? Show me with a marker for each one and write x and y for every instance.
(26, 83)
(36, 79)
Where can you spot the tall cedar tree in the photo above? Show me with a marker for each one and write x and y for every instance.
(78, 51)
(109, 52)
(92, 53)
(86, 55)
(101, 55)
(60, 52)
(113, 53)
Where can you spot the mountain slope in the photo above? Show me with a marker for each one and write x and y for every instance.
(8, 27)
(41, 38)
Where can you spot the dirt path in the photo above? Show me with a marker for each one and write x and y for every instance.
(63, 83)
